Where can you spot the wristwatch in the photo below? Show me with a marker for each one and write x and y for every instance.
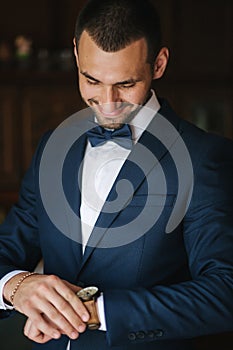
(89, 295)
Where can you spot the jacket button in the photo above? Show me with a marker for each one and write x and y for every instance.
(131, 336)
(151, 334)
(140, 335)
(159, 333)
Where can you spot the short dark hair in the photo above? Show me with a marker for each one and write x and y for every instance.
(115, 24)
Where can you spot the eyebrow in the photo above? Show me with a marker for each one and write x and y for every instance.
(89, 76)
(129, 81)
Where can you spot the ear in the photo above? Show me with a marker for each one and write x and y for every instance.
(76, 52)
(161, 63)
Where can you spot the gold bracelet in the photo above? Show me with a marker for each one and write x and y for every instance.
(18, 285)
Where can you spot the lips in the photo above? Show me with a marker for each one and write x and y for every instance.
(112, 114)
(109, 111)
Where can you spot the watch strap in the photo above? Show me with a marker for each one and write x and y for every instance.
(93, 323)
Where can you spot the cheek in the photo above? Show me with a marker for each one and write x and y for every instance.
(137, 96)
(86, 90)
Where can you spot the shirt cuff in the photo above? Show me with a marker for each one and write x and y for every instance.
(3, 281)
(101, 313)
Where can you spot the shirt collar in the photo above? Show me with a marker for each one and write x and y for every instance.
(145, 115)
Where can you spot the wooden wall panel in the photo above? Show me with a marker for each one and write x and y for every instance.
(44, 108)
(10, 153)
(202, 38)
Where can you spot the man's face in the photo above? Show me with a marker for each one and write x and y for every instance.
(113, 84)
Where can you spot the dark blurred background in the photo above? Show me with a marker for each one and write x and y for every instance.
(38, 88)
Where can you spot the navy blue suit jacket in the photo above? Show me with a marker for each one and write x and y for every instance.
(161, 289)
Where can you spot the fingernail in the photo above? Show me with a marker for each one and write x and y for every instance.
(81, 328)
(85, 317)
(56, 335)
(74, 335)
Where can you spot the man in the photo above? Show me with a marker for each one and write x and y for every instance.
(161, 282)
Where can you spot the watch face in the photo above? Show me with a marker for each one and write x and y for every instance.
(87, 293)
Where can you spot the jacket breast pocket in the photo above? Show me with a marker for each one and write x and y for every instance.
(144, 211)
(152, 200)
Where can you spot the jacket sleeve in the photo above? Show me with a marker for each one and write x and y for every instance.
(19, 239)
(202, 305)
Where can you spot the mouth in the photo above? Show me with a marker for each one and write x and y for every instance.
(113, 114)
(109, 110)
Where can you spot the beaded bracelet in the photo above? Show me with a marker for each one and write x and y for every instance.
(18, 285)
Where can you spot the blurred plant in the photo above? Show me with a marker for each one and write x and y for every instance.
(23, 47)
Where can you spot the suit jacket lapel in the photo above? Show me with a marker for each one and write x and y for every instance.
(77, 125)
(71, 184)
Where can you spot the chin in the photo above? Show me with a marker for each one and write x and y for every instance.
(109, 123)
(117, 121)
(112, 123)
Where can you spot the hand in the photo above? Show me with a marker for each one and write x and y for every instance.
(51, 306)
(32, 332)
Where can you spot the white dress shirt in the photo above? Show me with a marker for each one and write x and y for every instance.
(101, 166)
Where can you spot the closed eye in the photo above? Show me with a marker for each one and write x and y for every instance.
(126, 86)
(92, 82)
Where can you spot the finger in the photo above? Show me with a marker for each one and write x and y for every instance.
(63, 297)
(47, 300)
(33, 333)
(35, 316)
(70, 305)
(27, 327)
(61, 314)
(68, 292)
(41, 328)
(43, 320)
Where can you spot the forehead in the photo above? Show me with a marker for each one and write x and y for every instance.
(130, 61)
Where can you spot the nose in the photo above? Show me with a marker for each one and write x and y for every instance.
(110, 99)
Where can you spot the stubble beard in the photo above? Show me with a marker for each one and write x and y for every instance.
(116, 123)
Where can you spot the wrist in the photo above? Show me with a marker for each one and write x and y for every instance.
(12, 286)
